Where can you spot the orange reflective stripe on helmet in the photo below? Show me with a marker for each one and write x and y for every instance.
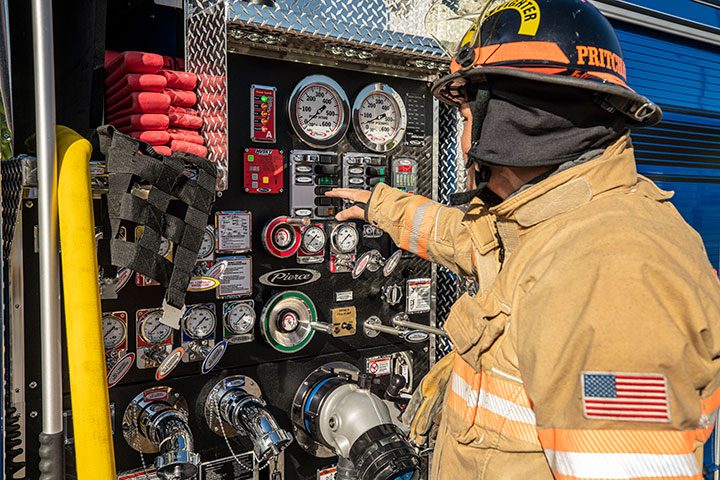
(516, 51)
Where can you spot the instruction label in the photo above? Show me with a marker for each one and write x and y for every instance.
(236, 279)
(228, 469)
(380, 365)
(418, 295)
(344, 321)
(234, 231)
(327, 474)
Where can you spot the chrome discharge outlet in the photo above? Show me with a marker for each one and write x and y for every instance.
(234, 407)
(156, 421)
(335, 413)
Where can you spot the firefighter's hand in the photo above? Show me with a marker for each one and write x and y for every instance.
(354, 195)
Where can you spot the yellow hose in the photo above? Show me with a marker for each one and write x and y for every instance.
(85, 349)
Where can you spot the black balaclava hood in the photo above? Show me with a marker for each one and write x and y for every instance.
(530, 124)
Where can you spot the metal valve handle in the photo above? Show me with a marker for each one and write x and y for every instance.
(402, 320)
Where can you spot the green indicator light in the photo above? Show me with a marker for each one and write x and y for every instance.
(382, 171)
(251, 158)
(382, 180)
(264, 98)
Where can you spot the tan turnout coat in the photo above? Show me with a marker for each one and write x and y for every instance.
(592, 350)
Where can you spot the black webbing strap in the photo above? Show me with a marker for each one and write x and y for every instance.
(176, 207)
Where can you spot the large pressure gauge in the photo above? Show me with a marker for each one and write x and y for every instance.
(153, 331)
(313, 240)
(379, 117)
(345, 238)
(114, 331)
(319, 111)
(199, 323)
(240, 319)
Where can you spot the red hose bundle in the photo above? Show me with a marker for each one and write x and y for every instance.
(131, 62)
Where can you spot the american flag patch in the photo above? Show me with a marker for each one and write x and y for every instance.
(636, 397)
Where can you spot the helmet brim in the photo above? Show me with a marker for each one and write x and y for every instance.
(652, 112)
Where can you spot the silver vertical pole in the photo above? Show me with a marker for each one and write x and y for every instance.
(51, 437)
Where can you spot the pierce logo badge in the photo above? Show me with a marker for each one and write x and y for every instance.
(169, 364)
(214, 357)
(291, 277)
(120, 369)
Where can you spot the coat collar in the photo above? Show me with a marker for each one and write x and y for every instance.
(573, 187)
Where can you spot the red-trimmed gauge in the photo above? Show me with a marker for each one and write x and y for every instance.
(281, 238)
(319, 111)
(379, 117)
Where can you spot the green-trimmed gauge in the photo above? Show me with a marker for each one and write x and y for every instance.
(285, 321)
(319, 111)
(379, 117)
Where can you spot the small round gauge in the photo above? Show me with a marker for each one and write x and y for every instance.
(313, 240)
(208, 243)
(319, 111)
(345, 238)
(282, 237)
(289, 321)
(114, 331)
(240, 319)
(379, 117)
(152, 330)
(165, 247)
(199, 323)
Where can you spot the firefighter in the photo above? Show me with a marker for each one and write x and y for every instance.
(592, 348)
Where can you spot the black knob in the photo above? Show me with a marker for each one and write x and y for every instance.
(397, 383)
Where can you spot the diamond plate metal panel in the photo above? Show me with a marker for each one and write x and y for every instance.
(12, 185)
(395, 25)
(206, 55)
(450, 165)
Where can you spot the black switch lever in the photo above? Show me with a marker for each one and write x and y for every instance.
(326, 169)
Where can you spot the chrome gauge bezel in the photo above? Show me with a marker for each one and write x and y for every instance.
(335, 241)
(305, 235)
(207, 247)
(393, 96)
(145, 320)
(118, 321)
(190, 330)
(235, 308)
(334, 88)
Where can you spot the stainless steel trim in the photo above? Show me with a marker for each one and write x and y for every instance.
(660, 24)
(432, 354)
(17, 332)
(52, 418)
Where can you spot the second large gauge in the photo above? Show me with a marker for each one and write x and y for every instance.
(319, 111)
(379, 117)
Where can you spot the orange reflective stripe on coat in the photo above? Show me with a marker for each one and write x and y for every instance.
(492, 403)
(420, 217)
(709, 407)
(620, 454)
(464, 387)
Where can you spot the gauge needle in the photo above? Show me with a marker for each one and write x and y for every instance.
(110, 331)
(376, 118)
(320, 110)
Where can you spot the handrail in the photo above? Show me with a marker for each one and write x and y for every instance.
(85, 350)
